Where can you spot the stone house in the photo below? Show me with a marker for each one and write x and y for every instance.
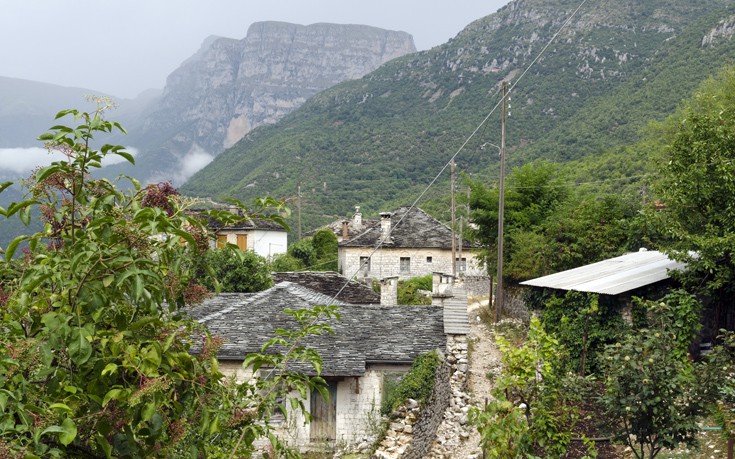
(370, 343)
(264, 237)
(411, 244)
(343, 228)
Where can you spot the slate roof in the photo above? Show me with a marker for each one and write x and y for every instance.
(613, 276)
(365, 333)
(456, 319)
(336, 227)
(416, 229)
(246, 224)
(330, 283)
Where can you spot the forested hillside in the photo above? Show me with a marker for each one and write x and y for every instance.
(379, 140)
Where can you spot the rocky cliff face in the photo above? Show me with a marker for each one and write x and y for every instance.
(231, 86)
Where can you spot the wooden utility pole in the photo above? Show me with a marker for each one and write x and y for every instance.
(501, 208)
(298, 206)
(454, 236)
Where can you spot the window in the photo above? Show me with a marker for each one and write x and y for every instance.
(277, 416)
(242, 241)
(405, 264)
(221, 241)
(461, 264)
(429, 259)
(365, 264)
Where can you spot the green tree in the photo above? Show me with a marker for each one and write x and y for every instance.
(696, 186)
(531, 412)
(653, 394)
(97, 358)
(533, 192)
(408, 290)
(584, 327)
(237, 271)
(325, 245)
(303, 251)
(284, 262)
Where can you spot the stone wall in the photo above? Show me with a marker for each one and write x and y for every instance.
(412, 428)
(387, 262)
(435, 430)
(454, 427)
(432, 415)
(477, 286)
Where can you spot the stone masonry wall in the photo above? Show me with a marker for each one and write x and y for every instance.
(412, 428)
(455, 427)
(477, 285)
(432, 415)
(435, 431)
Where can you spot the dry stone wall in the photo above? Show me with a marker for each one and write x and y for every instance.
(436, 430)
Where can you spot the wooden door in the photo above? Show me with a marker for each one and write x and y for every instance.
(324, 414)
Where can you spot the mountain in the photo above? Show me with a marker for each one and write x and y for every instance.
(28, 107)
(231, 86)
(379, 140)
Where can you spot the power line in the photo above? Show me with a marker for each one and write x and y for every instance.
(447, 164)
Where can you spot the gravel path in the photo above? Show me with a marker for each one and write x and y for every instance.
(484, 357)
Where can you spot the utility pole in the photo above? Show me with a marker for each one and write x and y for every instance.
(298, 206)
(454, 236)
(501, 208)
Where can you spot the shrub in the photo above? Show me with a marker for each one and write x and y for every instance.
(417, 384)
(238, 271)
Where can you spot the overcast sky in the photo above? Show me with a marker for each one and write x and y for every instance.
(123, 47)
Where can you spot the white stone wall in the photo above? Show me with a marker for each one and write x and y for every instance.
(264, 243)
(386, 262)
(358, 405)
(268, 243)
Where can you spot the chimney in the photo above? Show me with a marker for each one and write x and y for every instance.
(357, 218)
(441, 287)
(389, 291)
(345, 230)
(384, 224)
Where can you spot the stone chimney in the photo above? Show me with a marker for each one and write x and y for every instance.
(441, 287)
(384, 224)
(357, 218)
(345, 230)
(389, 291)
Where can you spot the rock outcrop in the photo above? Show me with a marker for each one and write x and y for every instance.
(231, 86)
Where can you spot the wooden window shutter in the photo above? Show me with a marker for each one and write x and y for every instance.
(242, 241)
(221, 241)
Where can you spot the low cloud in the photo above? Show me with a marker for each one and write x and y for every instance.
(190, 164)
(21, 161)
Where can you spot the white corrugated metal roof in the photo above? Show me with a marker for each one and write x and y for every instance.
(614, 276)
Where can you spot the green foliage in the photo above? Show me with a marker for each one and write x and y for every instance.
(325, 246)
(504, 431)
(408, 290)
(303, 251)
(284, 262)
(97, 358)
(549, 228)
(697, 183)
(237, 271)
(584, 327)
(393, 130)
(417, 384)
(678, 312)
(531, 411)
(653, 393)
